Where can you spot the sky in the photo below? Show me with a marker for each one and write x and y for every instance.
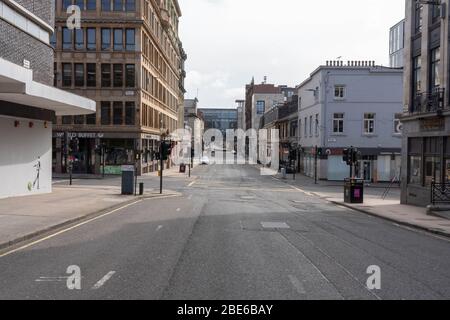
(230, 41)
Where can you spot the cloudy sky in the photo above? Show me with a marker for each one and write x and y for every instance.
(230, 41)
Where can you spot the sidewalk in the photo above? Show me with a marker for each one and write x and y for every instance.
(24, 218)
(389, 209)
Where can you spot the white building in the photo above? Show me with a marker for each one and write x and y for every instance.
(357, 104)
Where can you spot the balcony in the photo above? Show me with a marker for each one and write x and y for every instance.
(429, 102)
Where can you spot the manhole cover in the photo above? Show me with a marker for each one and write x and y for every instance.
(275, 225)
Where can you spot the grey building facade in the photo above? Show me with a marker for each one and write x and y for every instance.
(426, 120)
(357, 104)
(396, 45)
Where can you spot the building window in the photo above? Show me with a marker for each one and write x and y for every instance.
(418, 17)
(432, 170)
(435, 66)
(118, 39)
(435, 12)
(338, 123)
(117, 113)
(300, 128)
(118, 75)
(317, 125)
(67, 39)
(91, 4)
(130, 5)
(106, 113)
(91, 39)
(293, 128)
(369, 123)
(310, 126)
(91, 119)
(397, 123)
(67, 74)
(67, 120)
(53, 40)
(106, 5)
(106, 39)
(79, 39)
(55, 74)
(417, 69)
(339, 92)
(130, 76)
(79, 75)
(66, 4)
(130, 39)
(118, 5)
(80, 4)
(78, 120)
(260, 107)
(91, 75)
(130, 114)
(306, 127)
(106, 75)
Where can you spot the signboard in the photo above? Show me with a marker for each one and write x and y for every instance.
(79, 135)
(432, 124)
(113, 170)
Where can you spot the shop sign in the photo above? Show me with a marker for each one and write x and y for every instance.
(432, 124)
(80, 135)
(151, 137)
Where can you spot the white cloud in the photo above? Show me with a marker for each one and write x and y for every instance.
(229, 41)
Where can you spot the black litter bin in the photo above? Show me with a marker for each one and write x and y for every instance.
(354, 191)
(127, 180)
(141, 188)
(182, 168)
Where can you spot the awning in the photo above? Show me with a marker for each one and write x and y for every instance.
(17, 85)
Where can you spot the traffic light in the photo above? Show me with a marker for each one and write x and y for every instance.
(166, 149)
(347, 156)
(319, 152)
(356, 156)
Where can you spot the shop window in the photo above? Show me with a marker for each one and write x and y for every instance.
(432, 170)
(67, 120)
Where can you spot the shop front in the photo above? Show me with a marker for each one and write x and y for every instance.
(93, 153)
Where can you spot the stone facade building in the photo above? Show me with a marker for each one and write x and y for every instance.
(127, 56)
(426, 119)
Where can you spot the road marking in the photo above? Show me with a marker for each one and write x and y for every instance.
(103, 280)
(192, 183)
(66, 230)
(159, 228)
(51, 279)
(275, 225)
(297, 285)
(178, 209)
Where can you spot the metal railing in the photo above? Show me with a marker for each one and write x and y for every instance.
(429, 102)
(440, 193)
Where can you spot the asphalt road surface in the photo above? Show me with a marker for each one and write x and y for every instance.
(234, 234)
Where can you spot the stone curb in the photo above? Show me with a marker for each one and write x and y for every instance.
(7, 245)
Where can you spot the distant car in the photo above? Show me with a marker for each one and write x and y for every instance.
(205, 160)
